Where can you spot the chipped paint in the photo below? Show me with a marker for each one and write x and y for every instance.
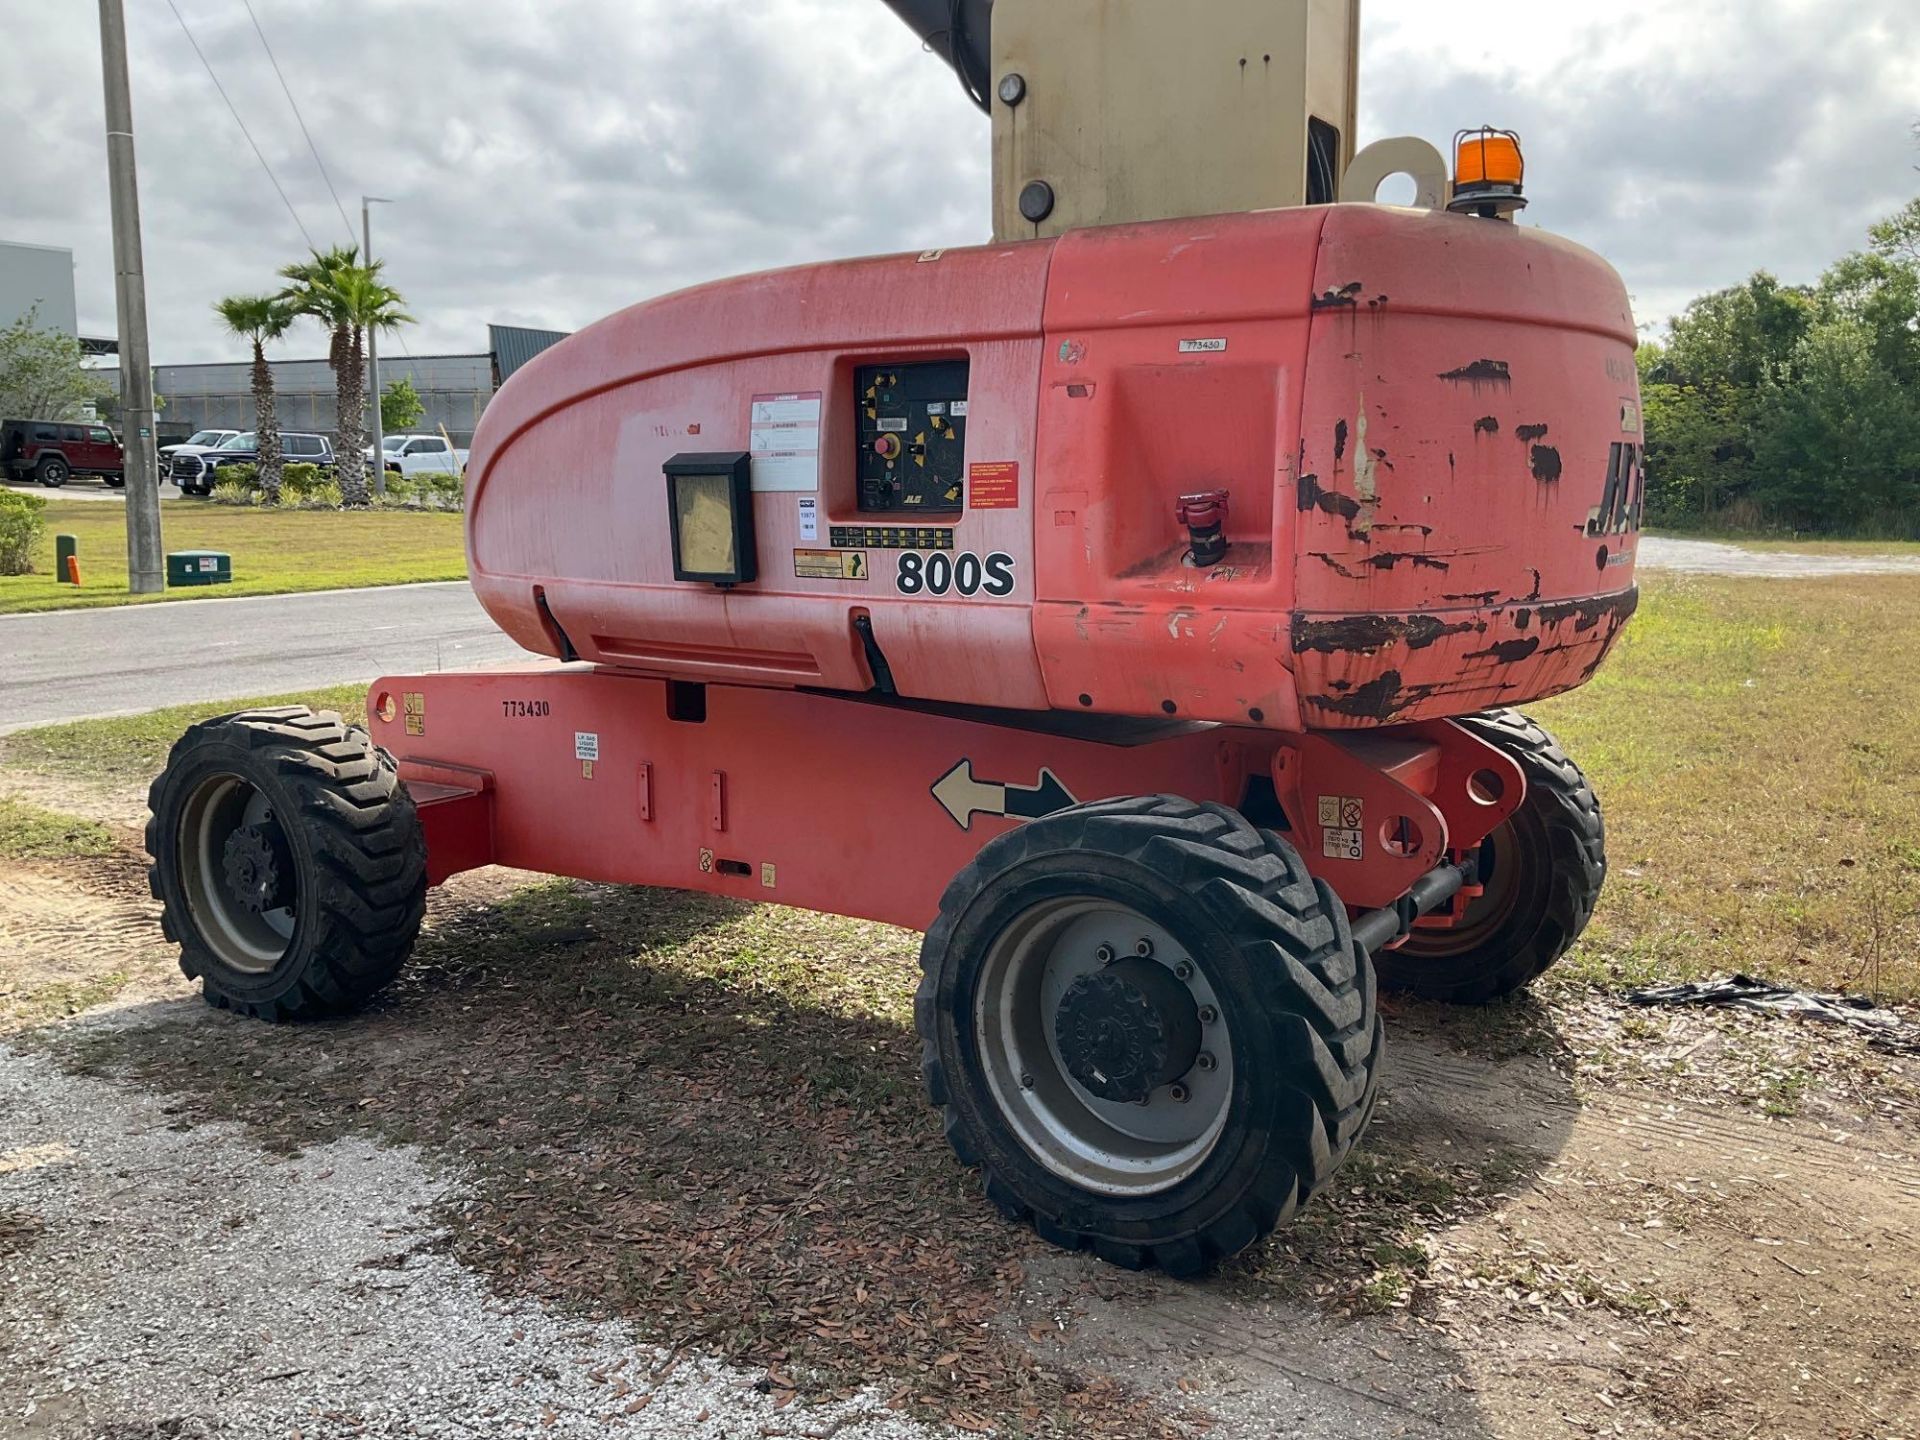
(1481, 372)
(1507, 652)
(1486, 425)
(1345, 296)
(1546, 464)
(1339, 441)
(1387, 560)
(1364, 634)
(1530, 434)
(1366, 481)
(1312, 497)
(1588, 614)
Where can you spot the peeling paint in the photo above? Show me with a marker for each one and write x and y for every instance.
(1346, 295)
(1588, 614)
(1522, 619)
(1530, 434)
(1364, 634)
(1475, 597)
(1366, 481)
(1481, 372)
(1339, 441)
(1486, 425)
(1507, 652)
(1387, 560)
(1312, 497)
(1546, 464)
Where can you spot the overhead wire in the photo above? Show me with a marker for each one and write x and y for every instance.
(187, 30)
(299, 119)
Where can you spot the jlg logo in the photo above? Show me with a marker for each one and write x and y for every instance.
(1623, 501)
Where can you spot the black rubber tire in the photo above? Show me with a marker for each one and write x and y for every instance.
(1559, 840)
(52, 472)
(114, 482)
(1296, 991)
(356, 850)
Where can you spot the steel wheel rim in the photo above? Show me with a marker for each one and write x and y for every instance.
(252, 943)
(1109, 1147)
(1502, 868)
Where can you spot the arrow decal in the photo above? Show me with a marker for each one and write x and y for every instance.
(963, 797)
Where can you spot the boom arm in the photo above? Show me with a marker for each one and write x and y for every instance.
(959, 32)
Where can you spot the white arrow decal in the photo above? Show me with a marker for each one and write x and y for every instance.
(963, 797)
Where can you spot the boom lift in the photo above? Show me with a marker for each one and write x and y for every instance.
(1134, 603)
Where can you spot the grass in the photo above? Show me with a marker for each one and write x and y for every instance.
(274, 551)
(132, 749)
(1794, 545)
(29, 833)
(1757, 748)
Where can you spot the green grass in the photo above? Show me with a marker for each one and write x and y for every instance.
(274, 551)
(133, 748)
(29, 833)
(1756, 746)
(1795, 546)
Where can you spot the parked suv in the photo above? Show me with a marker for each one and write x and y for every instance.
(198, 442)
(52, 451)
(197, 474)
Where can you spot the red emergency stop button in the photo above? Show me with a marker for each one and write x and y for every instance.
(887, 447)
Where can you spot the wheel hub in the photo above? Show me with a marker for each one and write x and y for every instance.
(1127, 1029)
(255, 864)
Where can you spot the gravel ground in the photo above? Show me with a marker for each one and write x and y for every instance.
(157, 1280)
(1711, 557)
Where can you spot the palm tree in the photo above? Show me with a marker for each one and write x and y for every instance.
(261, 318)
(349, 299)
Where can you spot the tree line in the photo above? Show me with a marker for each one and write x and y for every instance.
(1794, 407)
(347, 297)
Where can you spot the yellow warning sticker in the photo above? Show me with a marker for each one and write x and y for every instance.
(830, 564)
(1342, 836)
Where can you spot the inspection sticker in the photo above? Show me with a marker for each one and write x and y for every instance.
(810, 517)
(1213, 345)
(586, 745)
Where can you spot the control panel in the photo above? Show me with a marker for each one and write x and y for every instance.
(913, 437)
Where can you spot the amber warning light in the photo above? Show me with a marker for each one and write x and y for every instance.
(1489, 174)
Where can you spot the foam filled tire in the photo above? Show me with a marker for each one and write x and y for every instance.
(1147, 947)
(288, 861)
(1543, 871)
(52, 471)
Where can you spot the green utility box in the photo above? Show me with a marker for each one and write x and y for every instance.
(199, 567)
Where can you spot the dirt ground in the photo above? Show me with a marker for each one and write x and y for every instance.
(612, 1161)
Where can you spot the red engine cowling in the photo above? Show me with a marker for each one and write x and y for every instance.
(1427, 428)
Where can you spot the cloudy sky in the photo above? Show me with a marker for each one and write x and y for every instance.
(554, 160)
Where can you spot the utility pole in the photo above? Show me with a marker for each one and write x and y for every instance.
(146, 564)
(373, 350)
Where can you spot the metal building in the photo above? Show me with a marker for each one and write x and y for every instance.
(38, 279)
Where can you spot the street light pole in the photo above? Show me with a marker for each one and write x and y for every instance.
(373, 352)
(146, 565)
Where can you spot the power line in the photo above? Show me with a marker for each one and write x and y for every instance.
(298, 117)
(241, 123)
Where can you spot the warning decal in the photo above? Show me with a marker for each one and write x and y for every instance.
(830, 565)
(1342, 818)
(993, 485)
(786, 441)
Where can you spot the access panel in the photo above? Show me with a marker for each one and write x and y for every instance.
(913, 437)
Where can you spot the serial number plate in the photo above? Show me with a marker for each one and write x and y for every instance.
(525, 709)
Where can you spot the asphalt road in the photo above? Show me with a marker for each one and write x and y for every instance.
(76, 664)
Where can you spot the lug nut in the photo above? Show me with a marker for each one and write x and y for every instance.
(1143, 947)
(1026, 1082)
(1184, 970)
(1208, 1015)
(1179, 1093)
(1104, 954)
(1206, 1060)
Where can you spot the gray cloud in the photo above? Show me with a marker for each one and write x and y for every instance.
(557, 159)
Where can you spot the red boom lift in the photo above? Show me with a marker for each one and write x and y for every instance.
(1135, 603)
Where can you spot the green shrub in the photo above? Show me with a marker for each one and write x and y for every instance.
(300, 477)
(323, 495)
(21, 527)
(235, 492)
(247, 477)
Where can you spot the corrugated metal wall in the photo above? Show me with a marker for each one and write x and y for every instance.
(454, 388)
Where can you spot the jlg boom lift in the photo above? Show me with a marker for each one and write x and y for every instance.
(1133, 603)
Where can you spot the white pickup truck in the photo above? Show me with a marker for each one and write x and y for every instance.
(419, 454)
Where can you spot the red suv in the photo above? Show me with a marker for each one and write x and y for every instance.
(52, 450)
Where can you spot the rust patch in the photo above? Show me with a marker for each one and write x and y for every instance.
(1523, 619)
(1589, 614)
(1474, 597)
(1546, 464)
(1312, 497)
(1481, 372)
(1533, 594)
(1346, 295)
(1507, 652)
(1486, 425)
(1339, 441)
(1530, 434)
(1364, 634)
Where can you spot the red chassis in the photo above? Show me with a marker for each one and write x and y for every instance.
(814, 800)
